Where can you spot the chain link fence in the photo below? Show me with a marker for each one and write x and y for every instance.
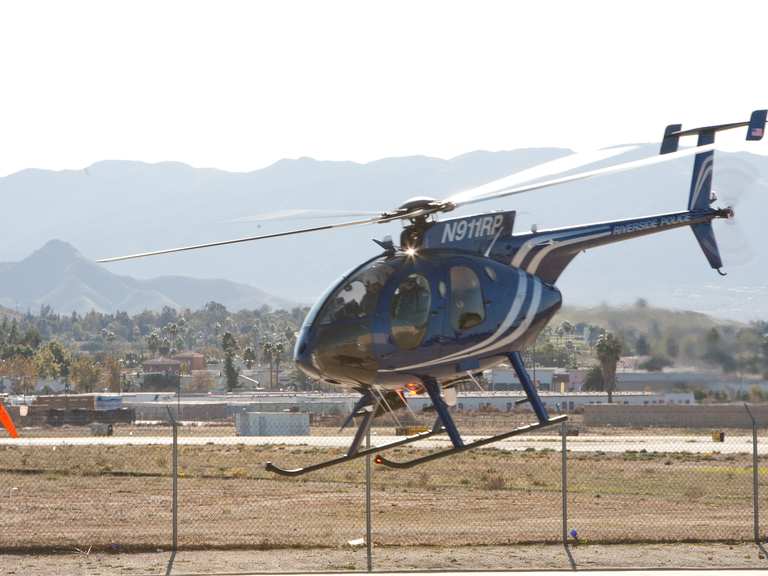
(71, 489)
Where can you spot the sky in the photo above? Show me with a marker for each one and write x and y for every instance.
(240, 85)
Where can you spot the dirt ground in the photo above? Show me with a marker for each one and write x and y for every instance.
(393, 558)
(119, 497)
(489, 505)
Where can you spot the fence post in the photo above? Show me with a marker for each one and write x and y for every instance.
(755, 477)
(175, 491)
(564, 488)
(368, 519)
(564, 477)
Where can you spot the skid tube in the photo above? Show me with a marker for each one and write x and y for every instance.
(476, 444)
(352, 456)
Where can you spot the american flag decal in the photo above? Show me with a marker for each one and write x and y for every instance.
(757, 132)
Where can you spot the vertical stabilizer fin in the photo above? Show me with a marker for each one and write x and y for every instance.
(701, 181)
(757, 125)
(706, 238)
(671, 139)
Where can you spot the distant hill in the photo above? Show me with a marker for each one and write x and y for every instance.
(7, 313)
(643, 319)
(120, 207)
(59, 276)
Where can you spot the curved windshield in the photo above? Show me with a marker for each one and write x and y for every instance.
(357, 297)
(410, 311)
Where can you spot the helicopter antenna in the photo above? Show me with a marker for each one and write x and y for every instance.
(472, 377)
(377, 390)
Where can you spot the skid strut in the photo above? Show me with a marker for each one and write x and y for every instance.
(458, 445)
(354, 452)
(476, 444)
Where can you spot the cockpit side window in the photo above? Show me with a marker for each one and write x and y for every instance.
(357, 297)
(410, 311)
(467, 308)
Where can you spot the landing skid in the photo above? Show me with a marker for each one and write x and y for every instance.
(444, 416)
(352, 456)
(444, 423)
(476, 444)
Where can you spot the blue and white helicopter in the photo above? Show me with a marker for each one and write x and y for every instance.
(462, 295)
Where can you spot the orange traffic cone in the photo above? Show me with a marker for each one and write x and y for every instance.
(5, 420)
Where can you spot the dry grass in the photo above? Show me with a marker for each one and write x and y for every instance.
(119, 497)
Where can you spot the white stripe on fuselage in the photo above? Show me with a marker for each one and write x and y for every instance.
(704, 172)
(536, 261)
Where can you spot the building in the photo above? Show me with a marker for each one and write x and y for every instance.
(161, 374)
(629, 380)
(190, 361)
(556, 402)
(505, 378)
(165, 366)
(212, 407)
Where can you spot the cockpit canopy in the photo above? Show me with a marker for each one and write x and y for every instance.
(358, 296)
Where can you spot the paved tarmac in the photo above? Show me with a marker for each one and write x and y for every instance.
(584, 443)
(569, 573)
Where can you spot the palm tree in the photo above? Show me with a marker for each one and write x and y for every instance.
(172, 330)
(153, 342)
(608, 352)
(249, 357)
(268, 356)
(231, 373)
(279, 348)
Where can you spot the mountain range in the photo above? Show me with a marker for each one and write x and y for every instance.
(57, 275)
(122, 207)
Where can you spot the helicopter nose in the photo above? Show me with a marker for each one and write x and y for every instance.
(302, 355)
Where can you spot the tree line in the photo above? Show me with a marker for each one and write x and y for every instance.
(92, 351)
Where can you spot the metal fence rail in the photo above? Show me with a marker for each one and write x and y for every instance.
(181, 487)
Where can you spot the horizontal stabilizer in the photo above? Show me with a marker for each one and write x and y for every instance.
(673, 132)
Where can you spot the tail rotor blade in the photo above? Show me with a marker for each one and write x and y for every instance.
(735, 179)
(735, 247)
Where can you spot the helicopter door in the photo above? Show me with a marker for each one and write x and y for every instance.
(409, 311)
(467, 307)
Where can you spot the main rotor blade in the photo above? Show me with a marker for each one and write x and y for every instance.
(246, 239)
(550, 168)
(624, 167)
(301, 214)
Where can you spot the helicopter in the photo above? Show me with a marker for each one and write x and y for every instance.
(461, 295)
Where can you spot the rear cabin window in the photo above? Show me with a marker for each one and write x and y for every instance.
(467, 308)
(410, 311)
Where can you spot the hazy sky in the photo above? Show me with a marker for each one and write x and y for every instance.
(238, 85)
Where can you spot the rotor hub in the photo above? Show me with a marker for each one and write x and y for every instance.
(417, 203)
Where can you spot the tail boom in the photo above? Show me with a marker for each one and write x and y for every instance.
(548, 252)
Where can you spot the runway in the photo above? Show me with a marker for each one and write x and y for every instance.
(586, 443)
